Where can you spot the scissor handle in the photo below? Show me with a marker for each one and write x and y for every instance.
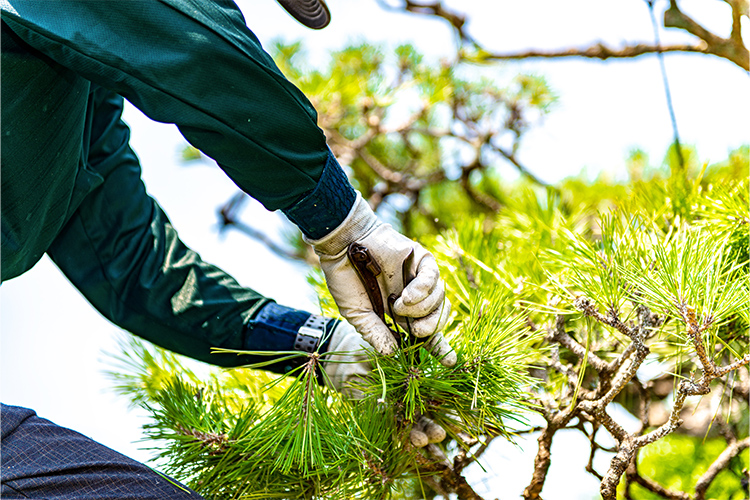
(368, 270)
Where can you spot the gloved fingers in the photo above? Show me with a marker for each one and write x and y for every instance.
(418, 438)
(346, 362)
(423, 284)
(346, 378)
(346, 341)
(441, 349)
(421, 309)
(426, 431)
(374, 331)
(349, 387)
(432, 323)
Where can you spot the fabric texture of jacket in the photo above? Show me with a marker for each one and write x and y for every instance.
(71, 185)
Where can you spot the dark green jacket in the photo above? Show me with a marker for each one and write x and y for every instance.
(71, 185)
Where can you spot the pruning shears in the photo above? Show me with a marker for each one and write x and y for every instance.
(368, 270)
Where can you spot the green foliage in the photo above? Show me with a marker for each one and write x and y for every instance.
(228, 436)
(424, 141)
(244, 433)
(408, 129)
(249, 434)
(484, 393)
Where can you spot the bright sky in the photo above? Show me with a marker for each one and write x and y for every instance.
(52, 341)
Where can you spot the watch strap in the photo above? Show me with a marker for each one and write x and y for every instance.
(310, 333)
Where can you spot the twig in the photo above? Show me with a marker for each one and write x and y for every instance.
(522, 169)
(481, 199)
(594, 446)
(560, 336)
(586, 306)
(228, 218)
(598, 51)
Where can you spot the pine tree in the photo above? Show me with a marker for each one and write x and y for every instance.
(561, 295)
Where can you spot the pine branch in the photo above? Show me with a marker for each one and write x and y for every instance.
(721, 463)
(543, 457)
(213, 442)
(654, 487)
(560, 336)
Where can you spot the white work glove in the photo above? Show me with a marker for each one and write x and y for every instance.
(351, 365)
(423, 299)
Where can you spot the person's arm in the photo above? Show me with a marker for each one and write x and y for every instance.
(120, 250)
(195, 63)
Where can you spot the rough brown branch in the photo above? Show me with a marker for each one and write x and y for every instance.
(695, 332)
(730, 48)
(213, 442)
(448, 479)
(598, 51)
(543, 457)
(653, 486)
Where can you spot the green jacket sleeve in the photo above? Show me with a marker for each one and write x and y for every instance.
(120, 250)
(195, 63)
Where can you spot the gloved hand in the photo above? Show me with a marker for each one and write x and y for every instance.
(351, 364)
(423, 299)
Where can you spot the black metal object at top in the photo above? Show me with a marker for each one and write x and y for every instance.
(368, 270)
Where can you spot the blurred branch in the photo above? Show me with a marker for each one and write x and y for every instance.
(732, 48)
(481, 199)
(598, 51)
(435, 9)
(719, 464)
(228, 217)
(446, 477)
(523, 170)
(594, 446)
(652, 486)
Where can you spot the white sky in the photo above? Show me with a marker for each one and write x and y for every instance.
(51, 340)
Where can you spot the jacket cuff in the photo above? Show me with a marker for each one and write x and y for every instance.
(326, 206)
(276, 328)
(360, 222)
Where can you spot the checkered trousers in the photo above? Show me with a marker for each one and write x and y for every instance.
(39, 459)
